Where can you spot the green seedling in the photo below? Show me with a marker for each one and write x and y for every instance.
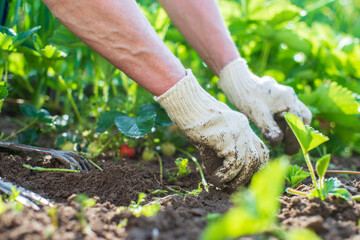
(295, 175)
(41, 169)
(138, 209)
(182, 166)
(255, 209)
(309, 139)
(172, 176)
(84, 202)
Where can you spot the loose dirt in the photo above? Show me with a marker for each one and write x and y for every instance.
(121, 182)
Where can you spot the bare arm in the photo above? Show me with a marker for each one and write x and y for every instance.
(118, 31)
(201, 24)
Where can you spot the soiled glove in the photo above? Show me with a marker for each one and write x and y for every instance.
(264, 101)
(229, 149)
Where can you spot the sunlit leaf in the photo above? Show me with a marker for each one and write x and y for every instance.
(162, 118)
(136, 127)
(322, 164)
(20, 38)
(308, 137)
(255, 208)
(4, 92)
(6, 42)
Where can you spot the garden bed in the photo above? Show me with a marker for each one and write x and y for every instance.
(121, 182)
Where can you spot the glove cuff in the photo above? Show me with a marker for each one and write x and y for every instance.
(235, 78)
(187, 102)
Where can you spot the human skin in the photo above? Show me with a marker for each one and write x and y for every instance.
(119, 32)
(203, 27)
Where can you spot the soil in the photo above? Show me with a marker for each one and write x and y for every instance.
(180, 217)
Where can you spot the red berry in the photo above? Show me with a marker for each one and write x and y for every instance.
(126, 151)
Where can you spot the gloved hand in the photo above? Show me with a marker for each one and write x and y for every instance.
(229, 149)
(264, 101)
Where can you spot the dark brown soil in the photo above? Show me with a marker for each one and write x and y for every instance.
(120, 183)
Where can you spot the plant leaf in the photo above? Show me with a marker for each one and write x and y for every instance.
(332, 186)
(255, 208)
(162, 118)
(107, 120)
(136, 127)
(306, 136)
(29, 136)
(4, 92)
(20, 38)
(295, 175)
(29, 111)
(322, 164)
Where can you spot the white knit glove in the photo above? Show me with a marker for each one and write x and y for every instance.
(264, 101)
(229, 149)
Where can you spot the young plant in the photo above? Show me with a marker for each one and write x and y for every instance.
(138, 209)
(295, 175)
(309, 139)
(255, 209)
(182, 165)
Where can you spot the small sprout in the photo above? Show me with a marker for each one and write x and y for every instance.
(182, 165)
(137, 209)
(295, 175)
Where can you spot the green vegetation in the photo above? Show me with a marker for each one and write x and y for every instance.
(53, 84)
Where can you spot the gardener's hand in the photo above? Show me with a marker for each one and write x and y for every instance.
(230, 151)
(264, 101)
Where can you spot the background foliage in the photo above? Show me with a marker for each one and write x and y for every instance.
(312, 46)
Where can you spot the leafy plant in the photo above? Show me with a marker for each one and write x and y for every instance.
(182, 166)
(309, 139)
(294, 175)
(138, 209)
(255, 209)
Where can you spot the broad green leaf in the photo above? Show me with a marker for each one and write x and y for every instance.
(255, 208)
(6, 42)
(20, 38)
(322, 164)
(37, 42)
(107, 120)
(277, 11)
(162, 118)
(136, 127)
(4, 92)
(308, 137)
(292, 40)
(295, 175)
(29, 136)
(29, 111)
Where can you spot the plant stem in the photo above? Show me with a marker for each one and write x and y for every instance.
(161, 167)
(6, 78)
(339, 171)
(41, 169)
(264, 57)
(203, 180)
(95, 165)
(19, 131)
(311, 169)
(295, 192)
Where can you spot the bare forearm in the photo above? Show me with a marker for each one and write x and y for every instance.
(118, 31)
(201, 24)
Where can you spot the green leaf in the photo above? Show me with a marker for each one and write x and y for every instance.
(307, 136)
(29, 111)
(322, 164)
(332, 186)
(162, 118)
(301, 234)
(52, 52)
(37, 42)
(44, 116)
(292, 40)
(107, 120)
(20, 38)
(277, 11)
(136, 127)
(29, 136)
(8, 31)
(255, 209)
(6, 42)
(295, 175)
(4, 92)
